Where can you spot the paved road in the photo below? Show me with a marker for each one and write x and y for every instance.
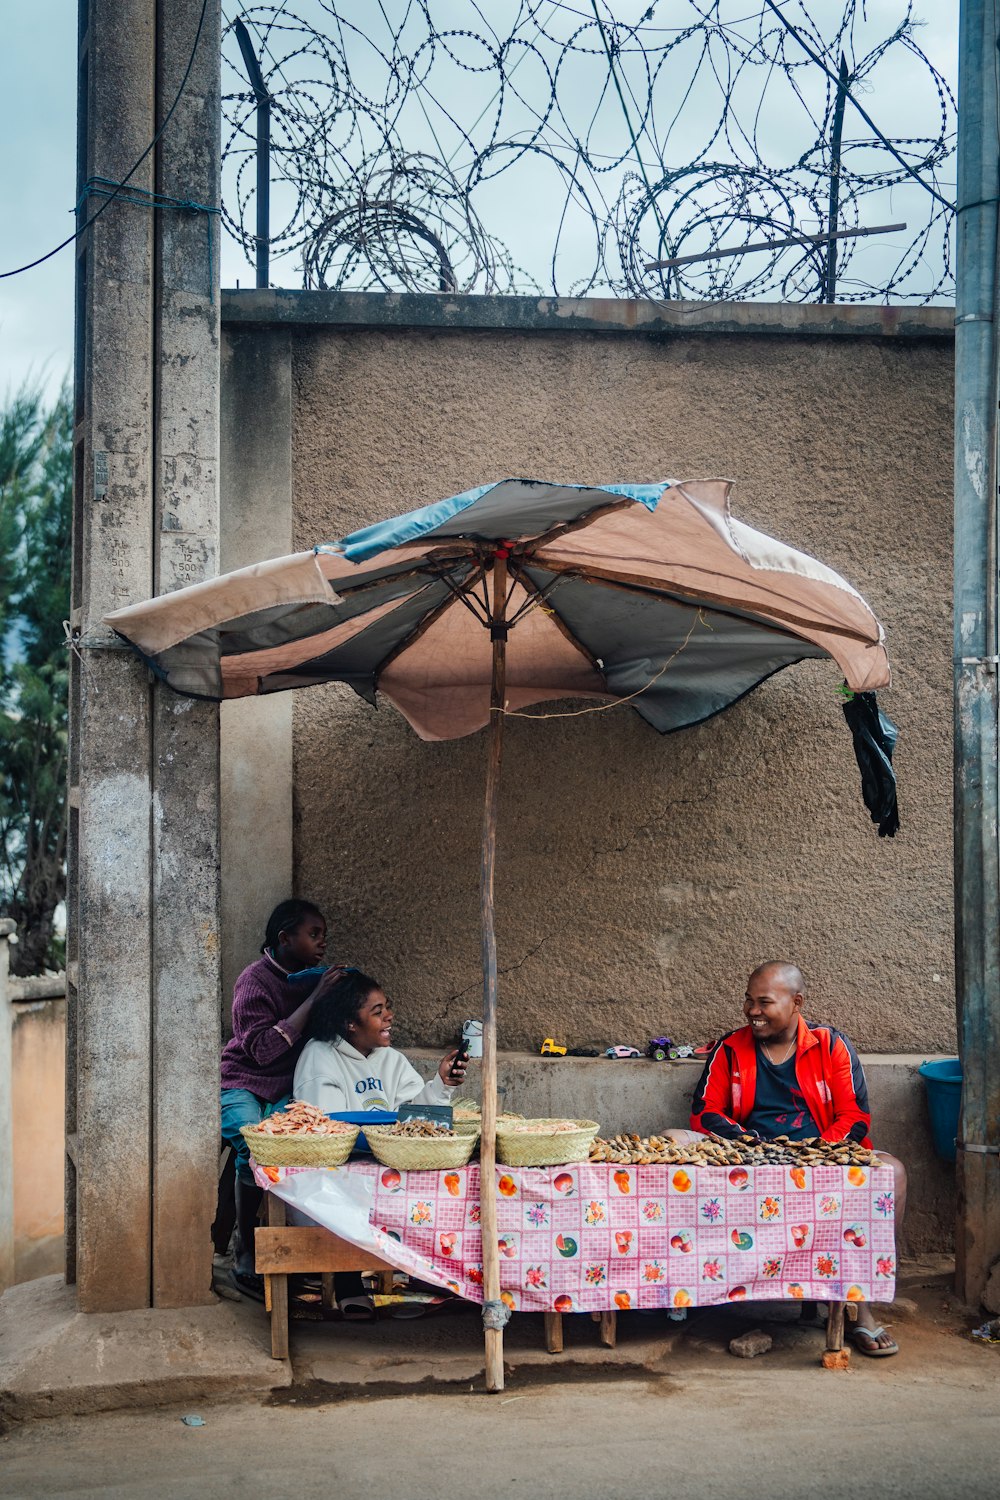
(921, 1426)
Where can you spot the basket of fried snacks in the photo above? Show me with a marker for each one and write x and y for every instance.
(419, 1146)
(300, 1136)
(544, 1143)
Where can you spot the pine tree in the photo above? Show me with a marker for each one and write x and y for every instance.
(35, 554)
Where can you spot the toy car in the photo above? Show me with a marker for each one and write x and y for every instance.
(659, 1048)
(623, 1052)
(551, 1048)
(683, 1049)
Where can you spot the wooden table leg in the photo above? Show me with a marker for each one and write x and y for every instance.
(609, 1329)
(835, 1356)
(279, 1287)
(835, 1326)
(553, 1332)
(326, 1282)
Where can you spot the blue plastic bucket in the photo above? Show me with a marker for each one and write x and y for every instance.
(943, 1080)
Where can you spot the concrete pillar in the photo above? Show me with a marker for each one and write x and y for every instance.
(7, 928)
(185, 759)
(109, 1118)
(256, 774)
(143, 848)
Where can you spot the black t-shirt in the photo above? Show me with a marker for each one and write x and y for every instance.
(779, 1107)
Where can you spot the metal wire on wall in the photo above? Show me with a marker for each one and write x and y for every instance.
(542, 147)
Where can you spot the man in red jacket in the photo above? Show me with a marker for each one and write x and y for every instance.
(782, 1075)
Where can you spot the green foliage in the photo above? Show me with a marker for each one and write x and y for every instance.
(36, 481)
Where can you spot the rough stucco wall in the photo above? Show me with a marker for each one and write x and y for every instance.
(639, 878)
(38, 1146)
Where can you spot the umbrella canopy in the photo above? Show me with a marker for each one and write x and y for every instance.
(503, 597)
(653, 593)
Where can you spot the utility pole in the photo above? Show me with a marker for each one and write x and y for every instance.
(977, 858)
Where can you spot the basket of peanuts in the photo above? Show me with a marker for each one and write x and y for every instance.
(300, 1136)
(419, 1145)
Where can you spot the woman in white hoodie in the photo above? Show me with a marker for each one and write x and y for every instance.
(348, 1063)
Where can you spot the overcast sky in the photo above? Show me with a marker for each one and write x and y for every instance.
(37, 133)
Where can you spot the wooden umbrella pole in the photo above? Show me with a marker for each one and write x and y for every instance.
(488, 1139)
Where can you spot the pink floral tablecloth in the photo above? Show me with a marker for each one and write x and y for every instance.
(593, 1236)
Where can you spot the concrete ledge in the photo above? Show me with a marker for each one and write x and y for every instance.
(38, 987)
(580, 314)
(448, 1351)
(55, 1361)
(645, 1096)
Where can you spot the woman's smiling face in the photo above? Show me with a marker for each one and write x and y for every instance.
(372, 1026)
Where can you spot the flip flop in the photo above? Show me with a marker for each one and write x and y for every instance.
(865, 1341)
(405, 1310)
(248, 1284)
(357, 1310)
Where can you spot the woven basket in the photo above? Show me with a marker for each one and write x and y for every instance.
(533, 1148)
(299, 1150)
(474, 1124)
(420, 1153)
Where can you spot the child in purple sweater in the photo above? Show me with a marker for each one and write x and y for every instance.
(270, 1012)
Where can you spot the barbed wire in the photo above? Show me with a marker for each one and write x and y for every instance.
(557, 148)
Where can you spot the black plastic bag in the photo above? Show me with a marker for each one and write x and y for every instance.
(875, 737)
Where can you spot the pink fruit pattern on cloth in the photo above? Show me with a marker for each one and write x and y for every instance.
(676, 1238)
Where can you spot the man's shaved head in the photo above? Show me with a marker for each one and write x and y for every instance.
(790, 975)
(774, 1002)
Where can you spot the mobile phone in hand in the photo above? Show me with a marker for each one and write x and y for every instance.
(461, 1056)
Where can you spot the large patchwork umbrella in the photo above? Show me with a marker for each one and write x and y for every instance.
(503, 597)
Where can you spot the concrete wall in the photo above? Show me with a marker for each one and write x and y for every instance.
(638, 878)
(255, 769)
(38, 1058)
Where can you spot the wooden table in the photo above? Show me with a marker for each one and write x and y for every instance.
(284, 1250)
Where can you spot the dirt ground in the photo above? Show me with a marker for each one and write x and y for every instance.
(920, 1425)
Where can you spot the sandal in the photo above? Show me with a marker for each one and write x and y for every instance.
(865, 1340)
(408, 1309)
(357, 1310)
(248, 1284)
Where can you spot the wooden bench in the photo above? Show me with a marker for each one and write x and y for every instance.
(282, 1250)
(554, 1330)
